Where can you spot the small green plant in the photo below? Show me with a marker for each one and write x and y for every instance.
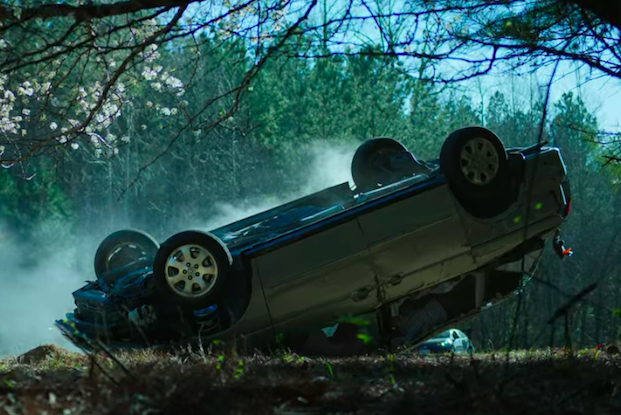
(330, 371)
(358, 321)
(366, 339)
(239, 370)
(219, 362)
(390, 369)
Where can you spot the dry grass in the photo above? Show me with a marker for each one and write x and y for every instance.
(56, 381)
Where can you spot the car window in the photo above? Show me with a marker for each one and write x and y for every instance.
(455, 335)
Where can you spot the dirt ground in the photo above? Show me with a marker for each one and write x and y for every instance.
(54, 381)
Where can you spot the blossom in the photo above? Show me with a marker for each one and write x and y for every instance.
(165, 111)
(53, 126)
(75, 145)
(173, 82)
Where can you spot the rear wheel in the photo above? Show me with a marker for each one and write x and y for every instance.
(190, 268)
(475, 164)
(382, 161)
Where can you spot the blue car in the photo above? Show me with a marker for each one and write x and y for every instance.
(421, 243)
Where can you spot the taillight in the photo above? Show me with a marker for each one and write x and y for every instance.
(567, 208)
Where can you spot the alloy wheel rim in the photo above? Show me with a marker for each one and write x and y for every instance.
(191, 271)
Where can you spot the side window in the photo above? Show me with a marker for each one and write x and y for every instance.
(455, 335)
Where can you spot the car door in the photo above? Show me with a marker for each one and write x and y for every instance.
(415, 242)
(319, 278)
(459, 345)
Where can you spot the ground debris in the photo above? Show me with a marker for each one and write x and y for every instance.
(528, 382)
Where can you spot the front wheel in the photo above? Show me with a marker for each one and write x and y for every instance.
(475, 164)
(122, 248)
(190, 267)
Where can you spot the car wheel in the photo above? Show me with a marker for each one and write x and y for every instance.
(470, 350)
(189, 268)
(475, 164)
(123, 247)
(371, 167)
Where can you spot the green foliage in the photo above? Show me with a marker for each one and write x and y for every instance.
(329, 367)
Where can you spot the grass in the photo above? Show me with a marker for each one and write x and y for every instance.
(55, 381)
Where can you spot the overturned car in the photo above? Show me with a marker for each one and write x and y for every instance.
(423, 245)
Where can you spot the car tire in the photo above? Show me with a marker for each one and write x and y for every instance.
(123, 247)
(370, 165)
(198, 284)
(475, 164)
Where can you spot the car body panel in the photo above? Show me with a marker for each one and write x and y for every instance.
(317, 277)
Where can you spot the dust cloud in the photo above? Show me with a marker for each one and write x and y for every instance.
(328, 165)
(33, 294)
(36, 287)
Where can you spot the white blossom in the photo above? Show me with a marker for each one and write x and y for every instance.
(46, 86)
(75, 145)
(26, 111)
(53, 126)
(165, 111)
(173, 82)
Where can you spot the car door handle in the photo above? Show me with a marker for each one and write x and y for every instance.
(362, 293)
